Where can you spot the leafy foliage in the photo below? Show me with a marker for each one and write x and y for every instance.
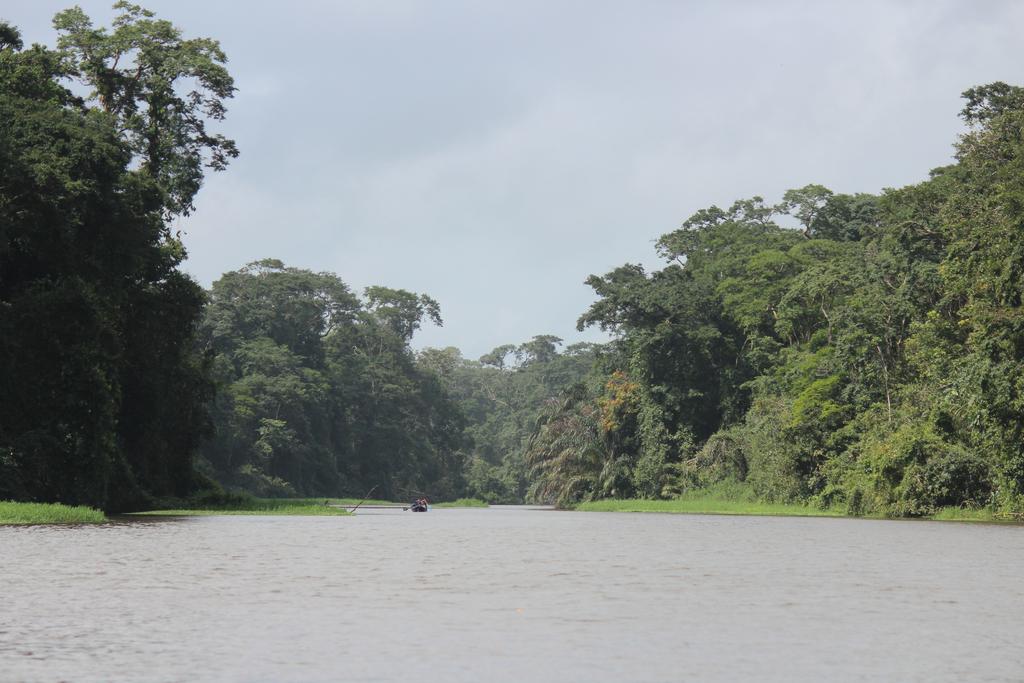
(502, 396)
(319, 392)
(870, 358)
(159, 89)
(103, 398)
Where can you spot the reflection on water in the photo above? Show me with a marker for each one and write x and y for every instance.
(511, 594)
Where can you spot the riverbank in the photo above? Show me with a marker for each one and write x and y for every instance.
(955, 514)
(706, 506)
(463, 503)
(312, 507)
(240, 505)
(48, 513)
(712, 505)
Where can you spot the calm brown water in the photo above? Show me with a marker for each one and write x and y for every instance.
(512, 595)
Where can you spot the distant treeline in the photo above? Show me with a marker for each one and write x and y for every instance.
(319, 392)
(853, 351)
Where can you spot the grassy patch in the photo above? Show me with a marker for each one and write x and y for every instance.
(272, 510)
(221, 503)
(48, 513)
(958, 514)
(716, 503)
(707, 505)
(463, 503)
(235, 504)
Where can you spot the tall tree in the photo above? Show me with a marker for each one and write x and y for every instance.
(160, 89)
(103, 398)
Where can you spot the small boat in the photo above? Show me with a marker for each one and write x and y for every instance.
(419, 506)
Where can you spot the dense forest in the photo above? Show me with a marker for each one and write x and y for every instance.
(868, 357)
(855, 351)
(103, 398)
(319, 392)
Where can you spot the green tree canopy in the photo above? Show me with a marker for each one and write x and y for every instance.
(159, 88)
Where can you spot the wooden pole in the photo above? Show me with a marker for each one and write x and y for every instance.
(364, 498)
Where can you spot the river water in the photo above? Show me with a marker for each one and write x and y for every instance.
(511, 594)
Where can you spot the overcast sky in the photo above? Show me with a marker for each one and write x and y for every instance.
(494, 154)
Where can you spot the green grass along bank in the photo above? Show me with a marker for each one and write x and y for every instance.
(55, 513)
(48, 513)
(242, 505)
(463, 503)
(712, 505)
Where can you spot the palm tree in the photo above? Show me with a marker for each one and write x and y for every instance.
(568, 454)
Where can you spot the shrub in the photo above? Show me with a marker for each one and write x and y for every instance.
(951, 476)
